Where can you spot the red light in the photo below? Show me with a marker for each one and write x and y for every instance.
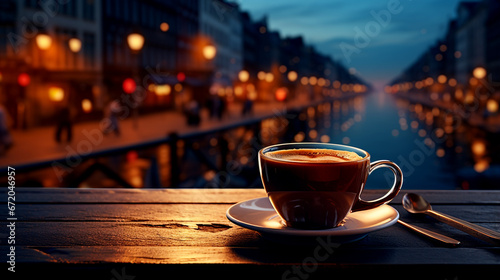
(181, 77)
(281, 93)
(129, 85)
(132, 156)
(23, 79)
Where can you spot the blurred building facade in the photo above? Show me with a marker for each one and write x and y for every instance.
(472, 40)
(50, 57)
(79, 54)
(220, 21)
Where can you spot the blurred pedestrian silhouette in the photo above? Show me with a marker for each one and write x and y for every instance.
(247, 107)
(64, 122)
(222, 108)
(217, 106)
(5, 137)
(192, 112)
(111, 117)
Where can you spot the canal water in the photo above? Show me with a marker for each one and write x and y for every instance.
(387, 129)
(434, 148)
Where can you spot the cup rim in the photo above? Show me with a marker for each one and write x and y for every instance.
(262, 154)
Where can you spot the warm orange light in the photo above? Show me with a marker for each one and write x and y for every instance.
(452, 82)
(252, 95)
(135, 41)
(442, 79)
(473, 81)
(269, 77)
(243, 75)
(357, 88)
(178, 87)
(479, 73)
(304, 81)
(321, 82)
(56, 94)
(281, 93)
(164, 27)
(313, 80)
(429, 81)
(292, 76)
(492, 105)
(86, 105)
(469, 97)
(43, 41)
(75, 45)
(478, 148)
(162, 90)
(261, 75)
(481, 165)
(209, 52)
(238, 91)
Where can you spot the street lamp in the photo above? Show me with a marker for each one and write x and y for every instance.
(209, 52)
(43, 41)
(86, 106)
(75, 45)
(135, 41)
(479, 73)
(292, 76)
(243, 75)
(164, 27)
(56, 94)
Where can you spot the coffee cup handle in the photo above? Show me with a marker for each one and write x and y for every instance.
(396, 187)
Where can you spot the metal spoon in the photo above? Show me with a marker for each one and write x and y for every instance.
(431, 234)
(415, 203)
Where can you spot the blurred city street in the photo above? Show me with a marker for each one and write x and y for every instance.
(38, 145)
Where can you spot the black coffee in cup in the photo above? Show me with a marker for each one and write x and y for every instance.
(315, 185)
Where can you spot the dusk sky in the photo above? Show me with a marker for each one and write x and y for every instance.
(329, 24)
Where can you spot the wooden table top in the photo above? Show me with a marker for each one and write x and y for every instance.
(126, 234)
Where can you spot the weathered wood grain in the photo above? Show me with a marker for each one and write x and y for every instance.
(98, 231)
(189, 212)
(103, 196)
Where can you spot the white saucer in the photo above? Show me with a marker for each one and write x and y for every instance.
(258, 214)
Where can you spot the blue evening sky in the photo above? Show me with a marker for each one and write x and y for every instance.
(329, 24)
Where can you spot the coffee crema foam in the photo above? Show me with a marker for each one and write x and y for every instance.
(314, 155)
